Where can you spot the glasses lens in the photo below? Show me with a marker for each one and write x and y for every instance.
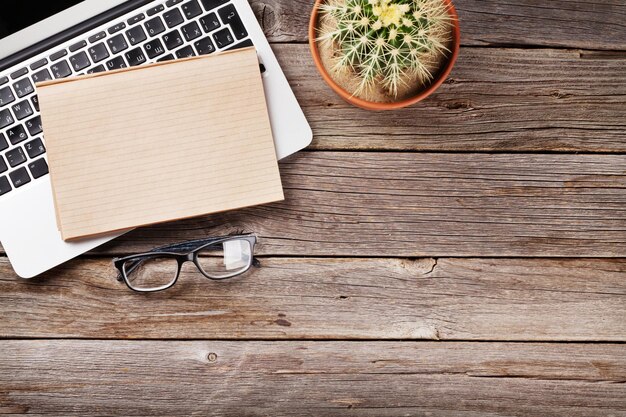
(151, 273)
(226, 259)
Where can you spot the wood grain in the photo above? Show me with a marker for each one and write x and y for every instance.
(444, 299)
(495, 100)
(507, 94)
(590, 24)
(419, 205)
(311, 379)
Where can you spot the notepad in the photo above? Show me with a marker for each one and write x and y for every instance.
(158, 143)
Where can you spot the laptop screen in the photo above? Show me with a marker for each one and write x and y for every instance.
(16, 15)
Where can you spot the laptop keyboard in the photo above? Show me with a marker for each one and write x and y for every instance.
(174, 29)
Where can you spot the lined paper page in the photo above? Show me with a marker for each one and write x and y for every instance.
(159, 143)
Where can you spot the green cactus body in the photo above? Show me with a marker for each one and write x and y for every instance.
(386, 41)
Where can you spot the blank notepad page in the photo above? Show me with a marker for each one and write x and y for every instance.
(159, 143)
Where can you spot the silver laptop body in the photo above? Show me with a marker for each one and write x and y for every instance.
(93, 36)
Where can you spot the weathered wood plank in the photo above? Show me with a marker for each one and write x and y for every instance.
(311, 379)
(447, 299)
(419, 205)
(495, 100)
(590, 24)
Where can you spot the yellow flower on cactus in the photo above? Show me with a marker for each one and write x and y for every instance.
(390, 13)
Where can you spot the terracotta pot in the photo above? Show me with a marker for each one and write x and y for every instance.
(439, 78)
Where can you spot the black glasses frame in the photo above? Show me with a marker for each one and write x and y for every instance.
(181, 252)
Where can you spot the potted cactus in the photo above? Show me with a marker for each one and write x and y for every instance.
(384, 54)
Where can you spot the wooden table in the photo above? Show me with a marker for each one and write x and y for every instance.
(462, 257)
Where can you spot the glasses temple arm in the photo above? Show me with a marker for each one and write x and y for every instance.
(190, 246)
(194, 244)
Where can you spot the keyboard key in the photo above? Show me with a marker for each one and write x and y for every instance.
(38, 64)
(98, 52)
(210, 22)
(34, 126)
(173, 40)
(3, 142)
(35, 101)
(155, 10)
(154, 48)
(77, 46)
(212, 4)
(5, 186)
(116, 63)
(136, 19)
(99, 68)
(34, 148)
(4, 80)
(229, 16)
(3, 165)
(154, 26)
(20, 72)
(185, 52)
(136, 35)
(116, 28)
(205, 46)
(170, 3)
(245, 44)
(6, 96)
(16, 157)
(38, 168)
(80, 61)
(191, 9)
(167, 57)
(61, 69)
(97, 37)
(22, 110)
(40, 76)
(5, 118)
(23, 87)
(191, 31)
(173, 18)
(223, 38)
(17, 134)
(135, 57)
(19, 177)
(117, 43)
(58, 55)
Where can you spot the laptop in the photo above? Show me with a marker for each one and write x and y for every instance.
(58, 39)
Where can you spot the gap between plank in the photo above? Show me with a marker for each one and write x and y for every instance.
(318, 340)
(454, 152)
(502, 45)
(97, 256)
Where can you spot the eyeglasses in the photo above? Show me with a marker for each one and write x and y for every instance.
(217, 259)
